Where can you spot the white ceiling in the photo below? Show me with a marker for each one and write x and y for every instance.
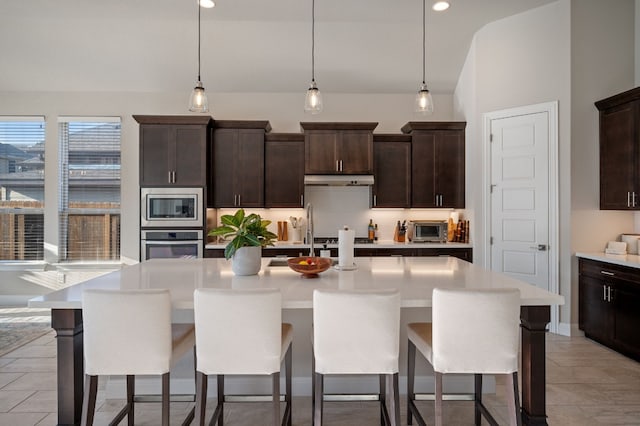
(247, 45)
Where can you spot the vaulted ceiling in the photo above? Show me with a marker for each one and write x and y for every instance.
(247, 45)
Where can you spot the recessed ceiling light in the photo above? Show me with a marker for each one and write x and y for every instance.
(207, 3)
(440, 6)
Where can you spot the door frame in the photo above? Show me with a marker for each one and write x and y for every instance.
(551, 108)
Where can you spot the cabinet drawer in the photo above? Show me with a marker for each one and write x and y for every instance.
(604, 270)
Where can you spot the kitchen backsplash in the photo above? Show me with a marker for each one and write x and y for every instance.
(337, 206)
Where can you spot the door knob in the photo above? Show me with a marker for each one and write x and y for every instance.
(540, 247)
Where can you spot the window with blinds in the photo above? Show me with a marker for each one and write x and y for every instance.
(89, 204)
(22, 188)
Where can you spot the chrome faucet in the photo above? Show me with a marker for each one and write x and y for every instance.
(309, 234)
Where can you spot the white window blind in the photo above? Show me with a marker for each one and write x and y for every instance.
(21, 188)
(89, 204)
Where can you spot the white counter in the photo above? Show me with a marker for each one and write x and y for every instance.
(630, 260)
(415, 277)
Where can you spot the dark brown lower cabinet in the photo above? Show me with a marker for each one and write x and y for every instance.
(461, 253)
(610, 305)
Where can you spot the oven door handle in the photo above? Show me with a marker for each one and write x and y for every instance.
(168, 242)
(143, 208)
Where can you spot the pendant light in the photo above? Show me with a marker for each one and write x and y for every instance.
(424, 101)
(198, 101)
(313, 100)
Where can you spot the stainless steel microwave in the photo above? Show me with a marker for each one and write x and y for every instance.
(428, 231)
(171, 207)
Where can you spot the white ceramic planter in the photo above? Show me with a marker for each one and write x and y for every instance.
(246, 260)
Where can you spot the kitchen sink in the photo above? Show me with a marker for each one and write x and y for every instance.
(278, 262)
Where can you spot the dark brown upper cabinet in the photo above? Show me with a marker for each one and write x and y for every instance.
(284, 170)
(338, 148)
(437, 164)
(237, 164)
(620, 151)
(392, 171)
(173, 150)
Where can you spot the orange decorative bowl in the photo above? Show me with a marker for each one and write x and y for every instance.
(309, 266)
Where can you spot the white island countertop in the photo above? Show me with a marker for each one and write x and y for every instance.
(630, 260)
(415, 277)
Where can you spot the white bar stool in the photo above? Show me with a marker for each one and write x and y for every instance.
(129, 332)
(357, 332)
(241, 332)
(472, 331)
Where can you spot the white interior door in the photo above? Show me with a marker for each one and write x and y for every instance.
(519, 196)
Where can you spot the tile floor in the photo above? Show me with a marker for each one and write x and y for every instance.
(587, 384)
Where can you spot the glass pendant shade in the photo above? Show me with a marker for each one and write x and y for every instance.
(313, 100)
(198, 101)
(424, 101)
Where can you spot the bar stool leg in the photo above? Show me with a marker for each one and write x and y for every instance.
(220, 399)
(201, 398)
(318, 397)
(438, 407)
(131, 390)
(411, 373)
(513, 401)
(275, 392)
(383, 399)
(165, 400)
(395, 400)
(477, 399)
(89, 403)
(288, 363)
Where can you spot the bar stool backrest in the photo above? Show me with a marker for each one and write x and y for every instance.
(475, 331)
(356, 332)
(127, 332)
(238, 331)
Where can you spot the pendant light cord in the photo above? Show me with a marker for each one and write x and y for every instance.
(424, 48)
(313, 40)
(199, 9)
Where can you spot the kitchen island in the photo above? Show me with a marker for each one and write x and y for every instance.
(415, 277)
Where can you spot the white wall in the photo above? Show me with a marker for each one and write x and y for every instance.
(573, 52)
(608, 29)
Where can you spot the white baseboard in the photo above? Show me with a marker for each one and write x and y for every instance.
(569, 329)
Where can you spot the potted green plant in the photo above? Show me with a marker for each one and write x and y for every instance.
(248, 235)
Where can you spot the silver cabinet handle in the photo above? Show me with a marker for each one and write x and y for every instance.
(337, 165)
(608, 293)
(239, 200)
(441, 200)
(604, 292)
(174, 176)
(235, 200)
(539, 247)
(341, 166)
(628, 199)
(169, 177)
(375, 200)
(301, 200)
(633, 199)
(611, 274)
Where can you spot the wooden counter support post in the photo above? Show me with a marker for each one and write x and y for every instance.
(533, 324)
(68, 326)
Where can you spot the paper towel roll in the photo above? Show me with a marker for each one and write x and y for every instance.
(346, 239)
(455, 216)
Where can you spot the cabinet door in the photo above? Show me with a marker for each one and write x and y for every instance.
(249, 168)
(225, 143)
(618, 162)
(392, 174)
(626, 305)
(155, 158)
(594, 309)
(190, 155)
(449, 168)
(422, 170)
(321, 152)
(284, 174)
(355, 150)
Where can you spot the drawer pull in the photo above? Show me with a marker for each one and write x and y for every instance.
(611, 274)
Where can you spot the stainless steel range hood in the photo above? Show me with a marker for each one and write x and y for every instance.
(338, 180)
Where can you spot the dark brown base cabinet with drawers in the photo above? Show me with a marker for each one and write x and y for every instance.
(465, 253)
(610, 305)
